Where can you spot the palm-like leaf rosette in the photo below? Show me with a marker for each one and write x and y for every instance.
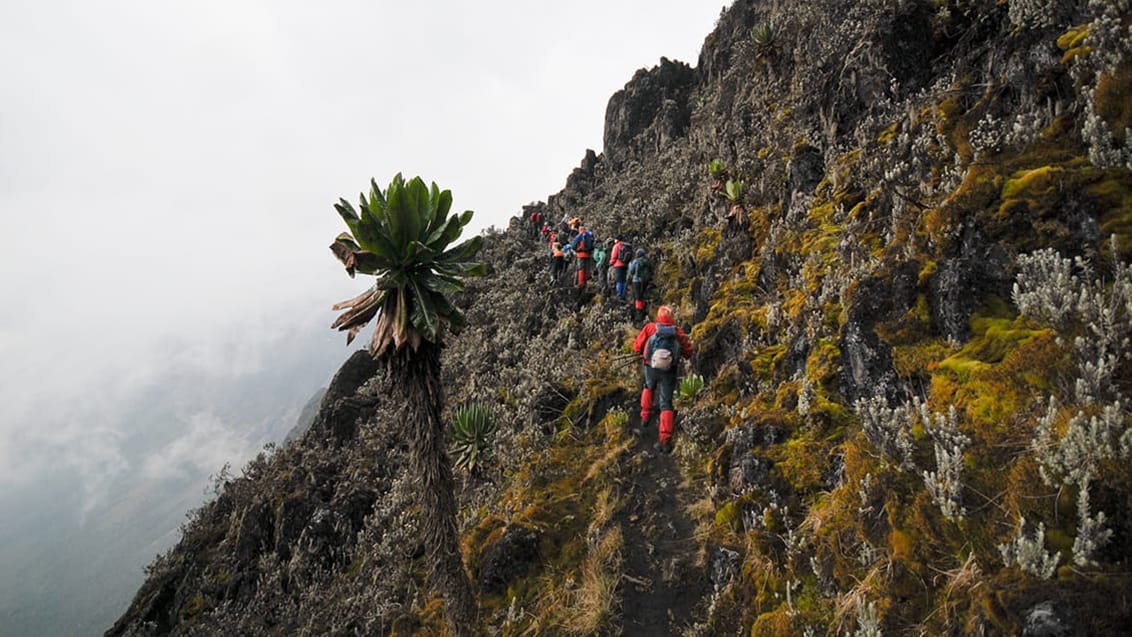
(473, 434)
(403, 236)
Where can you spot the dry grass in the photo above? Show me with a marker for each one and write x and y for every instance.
(958, 586)
(845, 613)
(602, 466)
(587, 605)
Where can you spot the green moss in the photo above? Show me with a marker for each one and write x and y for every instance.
(728, 516)
(780, 622)
(705, 245)
(994, 337)
(823, 365)
(918, 359)
(800, 463)
(980, 188)
(766, 361)
(1035, 182)
(962, 367)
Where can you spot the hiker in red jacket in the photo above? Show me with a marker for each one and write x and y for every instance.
(661, 344)
(619, 260)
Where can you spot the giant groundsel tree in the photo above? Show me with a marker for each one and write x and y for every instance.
(403, 236)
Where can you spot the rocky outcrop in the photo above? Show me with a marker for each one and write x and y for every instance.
(649, 114)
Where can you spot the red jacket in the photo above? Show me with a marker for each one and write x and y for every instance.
(616, 258)
(649, 329)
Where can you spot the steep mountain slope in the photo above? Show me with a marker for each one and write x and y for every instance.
(915, 417)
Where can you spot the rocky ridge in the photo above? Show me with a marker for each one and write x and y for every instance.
(913, 420)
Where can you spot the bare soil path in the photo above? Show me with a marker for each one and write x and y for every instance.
(663, 580)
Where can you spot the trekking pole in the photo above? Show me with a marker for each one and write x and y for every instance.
(625, 363)
(621, 358)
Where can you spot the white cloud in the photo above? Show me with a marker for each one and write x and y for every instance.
(205, 446)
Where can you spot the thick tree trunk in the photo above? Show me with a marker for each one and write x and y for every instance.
(415, 378)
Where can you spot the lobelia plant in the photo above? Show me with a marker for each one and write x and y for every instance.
(733, 190)
(473, 434)
(764, 35)
(403, 236)
(716, 168)
(690, 387)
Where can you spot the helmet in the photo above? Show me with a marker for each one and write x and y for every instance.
(640, 252)
(664, 313)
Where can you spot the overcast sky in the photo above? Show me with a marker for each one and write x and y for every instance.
(167, 168)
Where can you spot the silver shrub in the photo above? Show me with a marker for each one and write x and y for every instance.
(806, 397)
(1075, 457)
(1046, 287)
(868, 619)
(1069, 296)
(945, 484)
(1110, 42)
(888, 429)
(1035, 14)
(1091, 532)
(1028, 552)
(992, 135)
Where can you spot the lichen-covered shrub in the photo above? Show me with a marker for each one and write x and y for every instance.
(1028, 553)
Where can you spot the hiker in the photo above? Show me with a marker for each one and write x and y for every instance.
(536, 222)
(575, 223)
(557, 259)
(661, 344)
(583, 246)
(619, 260)
(601, 262)
(640, 278)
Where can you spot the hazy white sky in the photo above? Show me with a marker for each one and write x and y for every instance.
(168, 167)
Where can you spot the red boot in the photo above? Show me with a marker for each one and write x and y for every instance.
(667, 424)
(646, 406)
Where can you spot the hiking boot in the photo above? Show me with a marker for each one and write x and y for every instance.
(663, 447)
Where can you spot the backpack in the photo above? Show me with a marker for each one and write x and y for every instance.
(622, 252)
(587, 241)
(663, 347)
(644, 270)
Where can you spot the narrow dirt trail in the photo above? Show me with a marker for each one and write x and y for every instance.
(662, 582)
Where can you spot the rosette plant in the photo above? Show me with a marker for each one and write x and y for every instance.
(473, 434)
(403, 236)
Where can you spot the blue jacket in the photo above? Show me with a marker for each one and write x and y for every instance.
(576, 244)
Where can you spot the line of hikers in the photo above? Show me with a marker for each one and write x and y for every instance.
(661, 343)
(573, 242)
